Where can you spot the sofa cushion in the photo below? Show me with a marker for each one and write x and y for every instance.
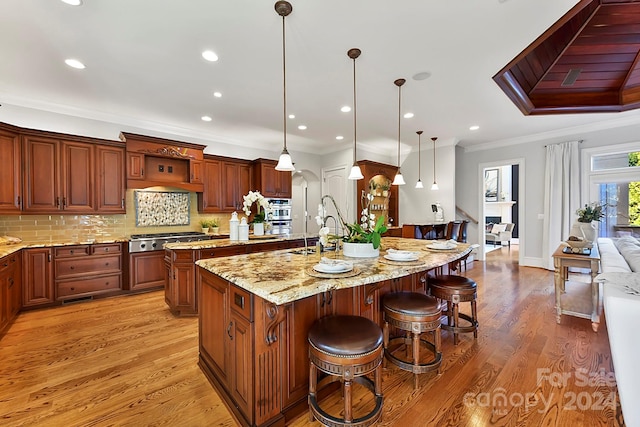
(610, 259)
(629, 248)
(498, 228)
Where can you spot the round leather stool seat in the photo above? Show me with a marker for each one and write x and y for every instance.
(411, 303)
(455, 290)
(414, 313)
(347, 336)
(348, 348)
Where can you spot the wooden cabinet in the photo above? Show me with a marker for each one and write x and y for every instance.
(381, 175)
(269, 181)
(10, 172)
(87, 270)
(37, 277)
(226, 181)
(146, 270)
(110, 182)
(10, 289)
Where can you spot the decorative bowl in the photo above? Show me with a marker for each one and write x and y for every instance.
(579, 243)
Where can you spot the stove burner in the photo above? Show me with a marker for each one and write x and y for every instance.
(155, 241)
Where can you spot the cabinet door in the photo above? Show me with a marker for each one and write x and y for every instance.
(241, 376)
(244, 181)
(184, 298)
(77, 177)
(10, 174)
(196, 172)
(283, 189)
(231, 200)
(41, 176)
(110, 180)
(15, 286)
(210, 200)
(37, 275)
(135, 166)
(146, 270)
(269, 180)
(214, 324)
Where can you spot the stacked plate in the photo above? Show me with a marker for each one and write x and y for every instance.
(397, 255)
(442, 246)
(327, 265)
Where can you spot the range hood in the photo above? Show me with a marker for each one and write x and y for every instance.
(161, 162)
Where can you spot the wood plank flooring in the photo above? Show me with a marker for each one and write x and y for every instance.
(128, 362)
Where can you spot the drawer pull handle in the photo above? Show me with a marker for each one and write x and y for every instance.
(239, 300)
(73, 289)
(72, 267)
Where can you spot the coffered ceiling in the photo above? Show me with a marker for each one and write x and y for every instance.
(145, 73)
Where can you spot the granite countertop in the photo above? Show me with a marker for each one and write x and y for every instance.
(280, 277)
(9, 249)
(221, 243)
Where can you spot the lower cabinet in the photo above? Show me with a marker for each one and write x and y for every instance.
(146, 270)
(87, 270)
(10, 289)
(37, 280)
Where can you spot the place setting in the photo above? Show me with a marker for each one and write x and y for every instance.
(439, 246)
(329, 268)
(400, 257)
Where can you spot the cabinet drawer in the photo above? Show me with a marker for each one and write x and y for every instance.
(106, 249)
(74, 288)
(241, 302)
(71, 251)
(8, 261)
(220, 252)
(183, 256)
(89, 265)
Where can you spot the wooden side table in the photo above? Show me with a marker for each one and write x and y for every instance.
(585, 302)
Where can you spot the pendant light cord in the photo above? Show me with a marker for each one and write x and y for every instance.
(355, 145)
(419, 150)
(434, 159)
(284, 85)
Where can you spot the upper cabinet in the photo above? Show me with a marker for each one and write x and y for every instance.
(376, 187)
(10, 176)
(156, 161)
(110, 181)
(269, 181)
(226, 181)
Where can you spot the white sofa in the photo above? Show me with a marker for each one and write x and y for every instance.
(620, 267)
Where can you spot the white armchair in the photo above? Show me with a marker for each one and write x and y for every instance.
(500, 233)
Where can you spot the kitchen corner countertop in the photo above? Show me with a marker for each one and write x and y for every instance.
(12, 248)
(222, 243)
(281, 276)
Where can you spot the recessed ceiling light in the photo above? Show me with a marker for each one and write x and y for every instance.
(345, 109)
(210, 55)
(474, 127)
(302, 127)
(73, 2)
(422, 75)
(206, 118)
(217, 94)
(408, 115)
(75, 64)
(339, 137)
(292, 116)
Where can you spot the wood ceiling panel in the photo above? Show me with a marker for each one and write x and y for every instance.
(592, 49)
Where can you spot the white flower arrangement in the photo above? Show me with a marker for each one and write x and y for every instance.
(257, 198)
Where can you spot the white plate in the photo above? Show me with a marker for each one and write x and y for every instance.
(446, 247)
(401, 258)
(336, 268)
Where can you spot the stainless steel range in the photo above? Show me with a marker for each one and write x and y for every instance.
(155, 241)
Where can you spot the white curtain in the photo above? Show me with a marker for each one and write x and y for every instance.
(562, 195)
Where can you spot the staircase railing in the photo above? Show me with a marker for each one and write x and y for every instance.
(466, 214)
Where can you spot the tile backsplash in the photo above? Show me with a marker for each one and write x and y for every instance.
(82, 228)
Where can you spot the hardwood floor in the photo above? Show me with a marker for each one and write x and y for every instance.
(128, 361)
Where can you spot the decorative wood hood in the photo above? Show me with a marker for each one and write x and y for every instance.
(161, 162)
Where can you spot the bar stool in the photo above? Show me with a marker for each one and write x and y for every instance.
(456, 289)
(347, 348)
(415, 313)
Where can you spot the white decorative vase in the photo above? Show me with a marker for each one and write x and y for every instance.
(258, 228)
(360, 250)
(588, 230)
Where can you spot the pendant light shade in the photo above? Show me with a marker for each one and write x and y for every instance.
(419, 183)
(284, 8)
(355, 173)
(399, 180)
(434, 186)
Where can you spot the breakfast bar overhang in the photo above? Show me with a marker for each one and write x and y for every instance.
(255, 312)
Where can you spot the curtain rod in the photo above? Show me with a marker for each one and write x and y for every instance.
(579, 141)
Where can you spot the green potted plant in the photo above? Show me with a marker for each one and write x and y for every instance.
(204, 223)
(385, 187)
(214, 226)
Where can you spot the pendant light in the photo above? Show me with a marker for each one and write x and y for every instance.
(284, 8)
(419, 183)
(355, 173)
(434, 186)
(399, 180)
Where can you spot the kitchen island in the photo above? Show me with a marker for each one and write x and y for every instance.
(256, 311)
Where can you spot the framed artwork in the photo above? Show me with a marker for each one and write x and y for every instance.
(491, 185)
